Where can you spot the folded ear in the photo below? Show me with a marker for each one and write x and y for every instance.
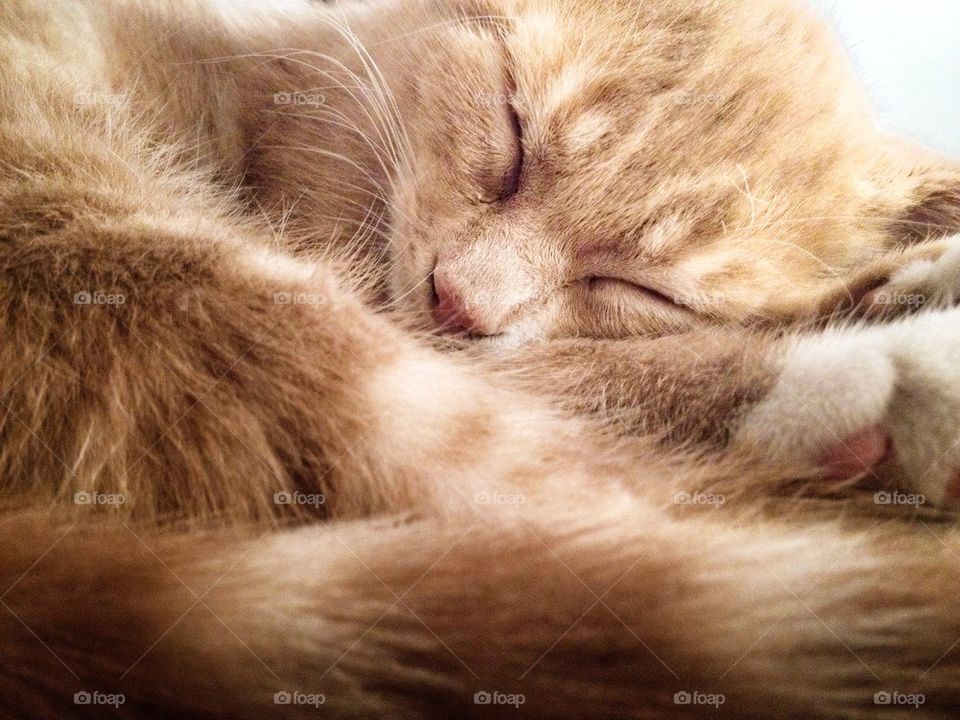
(925, 200)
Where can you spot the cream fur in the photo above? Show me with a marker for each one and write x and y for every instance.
(236, 464)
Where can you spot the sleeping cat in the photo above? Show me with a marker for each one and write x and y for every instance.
(231, 242)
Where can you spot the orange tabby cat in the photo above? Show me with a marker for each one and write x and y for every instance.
(230, 238)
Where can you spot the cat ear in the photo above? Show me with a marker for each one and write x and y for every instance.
(926, 201)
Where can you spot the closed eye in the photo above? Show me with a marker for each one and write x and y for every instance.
(499, 178)
(511, 183)
(600, 282)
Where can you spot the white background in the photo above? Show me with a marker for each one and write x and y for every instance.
(907, 53)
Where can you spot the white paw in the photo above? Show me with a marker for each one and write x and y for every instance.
(879, 403)
(933, 283)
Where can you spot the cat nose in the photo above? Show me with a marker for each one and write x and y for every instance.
(481, 289)
(451, 309)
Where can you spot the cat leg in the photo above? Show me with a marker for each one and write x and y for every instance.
(158, 353)
(904, 281)
(685, 390)
(829, 413)
(167, 363)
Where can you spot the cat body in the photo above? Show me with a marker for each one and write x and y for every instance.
(230, 244)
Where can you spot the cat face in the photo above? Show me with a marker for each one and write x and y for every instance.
(615, 168)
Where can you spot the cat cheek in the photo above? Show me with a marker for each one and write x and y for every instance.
(551, 317)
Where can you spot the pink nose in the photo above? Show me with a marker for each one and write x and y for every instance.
(451, 310)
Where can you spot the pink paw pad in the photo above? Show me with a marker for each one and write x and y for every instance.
(857, 454)
(953, 490)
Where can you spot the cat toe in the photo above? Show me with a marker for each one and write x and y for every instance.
(952, 495)
(857, 454)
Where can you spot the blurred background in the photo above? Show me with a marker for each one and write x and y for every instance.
(907, 53)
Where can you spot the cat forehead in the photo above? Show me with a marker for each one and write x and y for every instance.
(663, 120)
(579, 53)
(600, 64)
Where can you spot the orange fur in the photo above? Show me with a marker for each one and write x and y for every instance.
(199, 212)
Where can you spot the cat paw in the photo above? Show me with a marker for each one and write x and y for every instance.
(862, 452)
(877, 406)
(931, 280)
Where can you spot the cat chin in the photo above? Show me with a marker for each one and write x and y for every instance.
(512, 338)
(506, 341)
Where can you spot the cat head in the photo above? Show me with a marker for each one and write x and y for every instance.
(609, 168)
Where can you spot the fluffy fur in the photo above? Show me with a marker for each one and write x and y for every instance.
(235, 464)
